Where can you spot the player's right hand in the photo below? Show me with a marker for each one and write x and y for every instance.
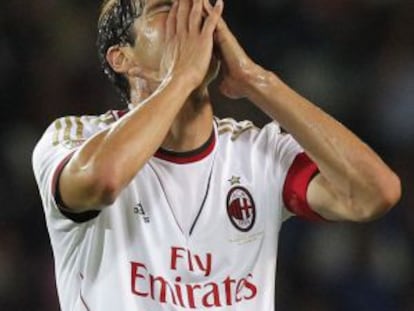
(189, 40)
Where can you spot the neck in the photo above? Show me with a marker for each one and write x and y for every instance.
(193, 125)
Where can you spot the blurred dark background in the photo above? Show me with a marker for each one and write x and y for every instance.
(355, 58)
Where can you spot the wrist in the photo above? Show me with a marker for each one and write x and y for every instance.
(188, 79)
(262, 83)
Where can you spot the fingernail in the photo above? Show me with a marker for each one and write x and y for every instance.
(219, 3)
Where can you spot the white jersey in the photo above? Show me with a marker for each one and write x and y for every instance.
(196, 230)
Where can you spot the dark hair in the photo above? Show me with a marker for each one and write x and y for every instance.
(114, 28)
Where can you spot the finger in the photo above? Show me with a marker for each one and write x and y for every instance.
(226, 41)
(207, 6)
(223, 32)
(222, 27)
(213, 18)
(182, 15)
(196, 15)
(171, 21)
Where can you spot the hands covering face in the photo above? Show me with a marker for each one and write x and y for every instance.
(189, 40)
(192, 29)
(237, 70)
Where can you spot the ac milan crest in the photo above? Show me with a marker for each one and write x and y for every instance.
(241, 208)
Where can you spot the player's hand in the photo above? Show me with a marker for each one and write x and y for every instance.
(238, 71)
(189, 40)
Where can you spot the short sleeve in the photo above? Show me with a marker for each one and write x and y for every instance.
(300, 174)
(57, 145)
(293, 171)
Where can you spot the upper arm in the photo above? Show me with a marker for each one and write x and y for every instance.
(294, 170)
(308, 194)
(52, 152)
(79, 185)
(55, 158)
(356, 203)
(300, 174)
(322, 200)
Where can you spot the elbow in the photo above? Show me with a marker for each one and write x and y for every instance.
(390, 193)
(107, 193)
(106, 188)
(382, 200)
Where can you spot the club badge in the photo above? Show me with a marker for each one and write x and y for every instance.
(241, 208)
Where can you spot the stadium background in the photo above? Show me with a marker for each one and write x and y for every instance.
(355, 58)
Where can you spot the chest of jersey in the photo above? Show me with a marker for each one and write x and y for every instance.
(214, 262)
(227, 217)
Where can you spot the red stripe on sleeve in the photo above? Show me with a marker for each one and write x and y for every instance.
(58, 171)
(300, 174)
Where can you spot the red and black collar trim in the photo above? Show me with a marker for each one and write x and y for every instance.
(118, 114)
(188, 156)
(179, 157)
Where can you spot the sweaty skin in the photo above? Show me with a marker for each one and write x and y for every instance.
(176, 115)
(353, 183)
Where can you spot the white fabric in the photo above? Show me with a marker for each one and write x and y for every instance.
(138, 254)
(184, 183)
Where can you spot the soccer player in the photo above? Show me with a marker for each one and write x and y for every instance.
(165, 207)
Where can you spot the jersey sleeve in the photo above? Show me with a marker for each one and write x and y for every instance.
(57, 145)
(293, 171)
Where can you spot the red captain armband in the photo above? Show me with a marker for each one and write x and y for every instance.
(297, 181)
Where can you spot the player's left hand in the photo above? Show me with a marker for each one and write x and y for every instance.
(238, 71)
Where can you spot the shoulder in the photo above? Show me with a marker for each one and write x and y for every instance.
(234, 129)
(67, 123)
(247, 129)
(71, 131)
(67, 133)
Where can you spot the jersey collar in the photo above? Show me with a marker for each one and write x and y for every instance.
(189, 156)
(180, 157)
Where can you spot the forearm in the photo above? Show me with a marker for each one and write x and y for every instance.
(327, 141)
(107, 162)
(355, 173)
